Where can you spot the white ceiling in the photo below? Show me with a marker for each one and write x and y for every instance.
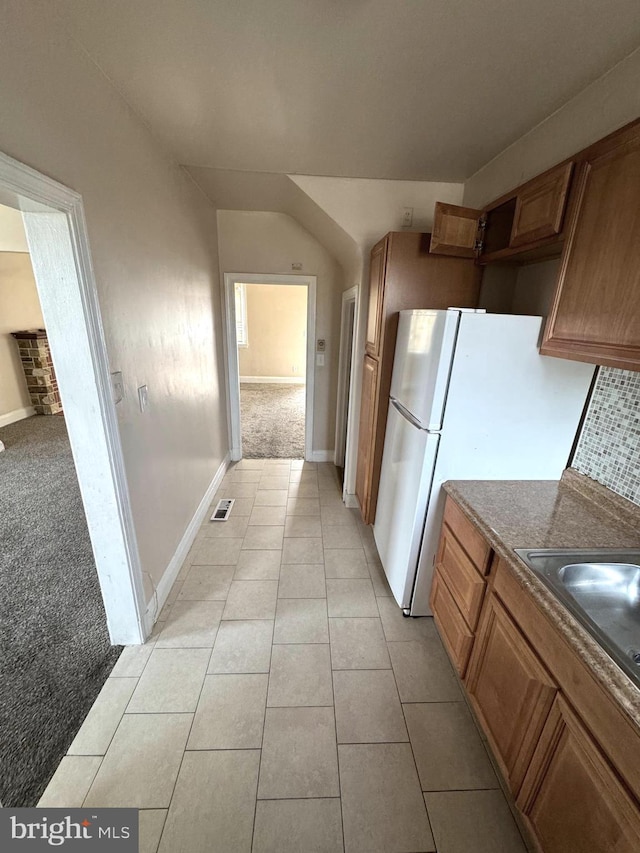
(404, 89)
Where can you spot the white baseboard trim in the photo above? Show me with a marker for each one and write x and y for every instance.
(322, 456)
(16, 415)
(351, 501)
(171, 572)
(274, 380)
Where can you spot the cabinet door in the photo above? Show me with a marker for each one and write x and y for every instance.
(540, 207)
(509, 689)
(366, 434)
(596, 311)
(377, 271)
(571, 798)
(455, 230)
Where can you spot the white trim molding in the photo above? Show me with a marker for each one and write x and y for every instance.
(175, 564)
(58, 243)
(355, 388)
(321, 456)
(345, 372)
(231, 350)
(16, 415)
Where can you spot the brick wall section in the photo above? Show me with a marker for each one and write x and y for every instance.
(38, 369)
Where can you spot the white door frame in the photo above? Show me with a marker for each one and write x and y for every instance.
(345, 364)
(231, 348)
(58, 244)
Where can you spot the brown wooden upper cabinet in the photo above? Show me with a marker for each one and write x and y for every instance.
(529, 219)
(596, 311)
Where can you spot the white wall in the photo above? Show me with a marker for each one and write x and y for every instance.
(12, 236)
(19, 309)
(366, 210)
(153, 244)
(609, 103)
(277, 332)
(259, 242)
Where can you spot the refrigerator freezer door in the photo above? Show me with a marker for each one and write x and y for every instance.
(405, 480)
(511, 414)
(422, 363)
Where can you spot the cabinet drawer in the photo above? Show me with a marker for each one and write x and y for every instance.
(471, 540)
(463, 580)
(453, 629)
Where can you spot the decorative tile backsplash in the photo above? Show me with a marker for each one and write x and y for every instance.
(609, 446)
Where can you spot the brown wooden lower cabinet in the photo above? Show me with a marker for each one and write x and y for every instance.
(567, 752)
(510, 691)
(571, 799)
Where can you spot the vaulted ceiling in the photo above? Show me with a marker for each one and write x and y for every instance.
(402, 89)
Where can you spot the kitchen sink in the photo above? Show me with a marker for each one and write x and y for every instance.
(602, 590)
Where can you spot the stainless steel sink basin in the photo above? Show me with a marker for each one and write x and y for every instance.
(602, 590)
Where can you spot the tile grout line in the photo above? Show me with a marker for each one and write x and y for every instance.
(264, 719)
(415, 764)
(186, 743)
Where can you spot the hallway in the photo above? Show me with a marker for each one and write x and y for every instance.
(284, 704)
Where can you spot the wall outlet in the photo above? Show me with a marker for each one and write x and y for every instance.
(117, 386)
(407, 217)
(296, 266)
(143, 397)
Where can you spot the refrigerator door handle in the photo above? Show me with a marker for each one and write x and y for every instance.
(406, 414)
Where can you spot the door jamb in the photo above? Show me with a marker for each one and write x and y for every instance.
(349, 301)
(231, 347)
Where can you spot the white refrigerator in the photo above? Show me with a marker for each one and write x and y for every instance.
(471, 399)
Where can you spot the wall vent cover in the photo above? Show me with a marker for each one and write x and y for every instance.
(223, 509)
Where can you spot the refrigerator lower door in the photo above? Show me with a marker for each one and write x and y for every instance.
(405, 480)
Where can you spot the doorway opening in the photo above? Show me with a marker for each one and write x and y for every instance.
(271, 333)
(63, 607)
(345, 369)
(270, 324)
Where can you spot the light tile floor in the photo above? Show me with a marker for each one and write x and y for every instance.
(283, 703)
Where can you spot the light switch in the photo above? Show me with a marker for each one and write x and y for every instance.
(320, 359)
(143, 397)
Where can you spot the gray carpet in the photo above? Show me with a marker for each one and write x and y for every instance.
(54, 647)
(272, 418)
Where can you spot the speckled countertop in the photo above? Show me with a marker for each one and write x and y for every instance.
(574, 512)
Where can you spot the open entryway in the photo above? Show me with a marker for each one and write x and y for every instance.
(345, 402)
(70, 581)
(270, 343)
